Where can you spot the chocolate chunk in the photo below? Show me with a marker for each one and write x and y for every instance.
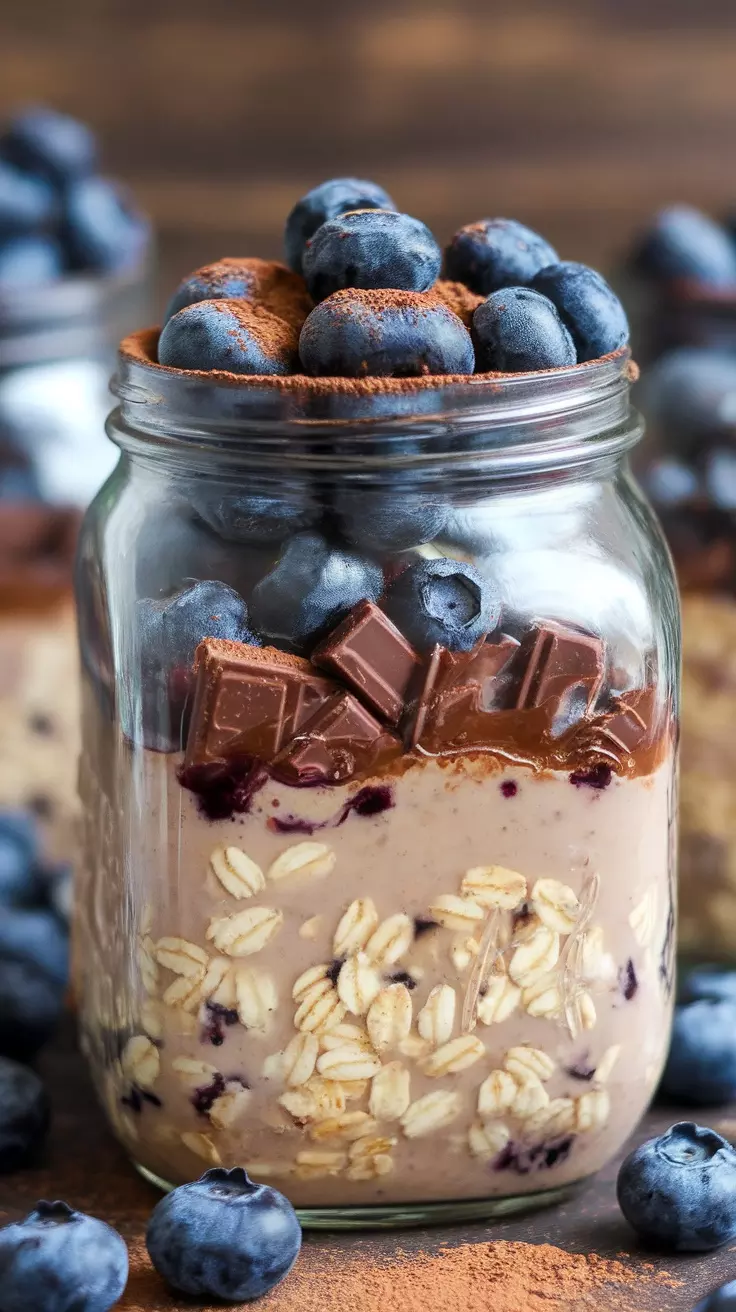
(343, 739)
(250, 701)
(559, 665)
(486, 668)
(373, 657)
(632, 719)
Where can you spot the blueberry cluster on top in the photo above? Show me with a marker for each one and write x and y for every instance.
(57, 214)
(683, 245)
(364, 299)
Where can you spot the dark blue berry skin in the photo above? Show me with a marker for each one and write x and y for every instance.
(495, 253)
(24, 1116)
(385, 521)
(229, 335)
(169, 632)
(677, 1191)
(684, 243)
(722, 1299)
(359, 334)
(371, 249)
(25, 202)
(29, 262)
(229, 284)
(324, 202)
(259, 519)
(688, 394)
(588, 307)
(701, 1066)
(31, 1003)
(223, 1237)
(445, 601)
(310, 589)
(35, 937)
(103, 231)
(709, 984)
(19, 881)
(49, 144)
(58, 1260)
(516, 330)
(670, 483)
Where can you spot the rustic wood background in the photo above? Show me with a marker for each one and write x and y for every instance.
(578, 116)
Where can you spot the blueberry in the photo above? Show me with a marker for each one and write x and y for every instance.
(262, 282)
(720, 478)
(517, 329)
(709, 984)
(690, 394)
(169, 632)
(678, 1190)
(25, 202)
(682, 242)
(371, 249)
(669, 482)
(445, 601)
(324, 202)
(229, 335)
(701, 1066)
(495, 253)
(384, 334)
(50, 144)
(29, 262)
(259, 519)
(36, 938)
(389, 520)
(312, 587)
(588, 307)
(31, 1003)
(722, 1299)
(19, 881)
(19, 481)
(223, 1237)
(103, 229)
(24, 1115)
(59, 1260)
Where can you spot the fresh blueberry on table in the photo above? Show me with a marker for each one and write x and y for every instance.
(223, 1237)
(708, 983)
(29, 261)
(103, 230)
(670, 482)
(260, 519)
(701, 1066)
(38, 938)
(389, 520)
(25, 202)
(690, 393)
(233, 336)
(494, 253)
(678, 1190)
(20, 885)
(384, 334)
(683, 243)
(24, 1116)
(53, 145)
(31, 1004)
(262, 282)
(516, 330)
(722, 1299)
(324, 202)
(442, 601)
(310, 589)
(588, 307)
(371, 249)
(59, 1260)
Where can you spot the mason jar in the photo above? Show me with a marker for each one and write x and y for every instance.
(379, 740)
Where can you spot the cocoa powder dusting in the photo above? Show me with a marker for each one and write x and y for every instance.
(458, 298)
(489, 1277)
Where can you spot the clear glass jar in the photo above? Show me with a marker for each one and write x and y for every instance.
(688, 465)
(436, 981)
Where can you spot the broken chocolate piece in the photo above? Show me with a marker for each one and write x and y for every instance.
(632, 719)
(343, 739)
(373, 657)
(560, 665)
(250, 701)
(485, 668)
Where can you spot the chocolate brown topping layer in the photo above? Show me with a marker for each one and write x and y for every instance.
(370, 654)
(341, 741)
(250, 701)
(559, 662)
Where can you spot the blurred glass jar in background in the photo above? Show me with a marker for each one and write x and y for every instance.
(686, 318)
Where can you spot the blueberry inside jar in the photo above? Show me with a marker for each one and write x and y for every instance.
(379, 729)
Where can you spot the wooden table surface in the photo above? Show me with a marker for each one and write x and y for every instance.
(84, 1165)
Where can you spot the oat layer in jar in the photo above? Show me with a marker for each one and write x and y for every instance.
(378, 780)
